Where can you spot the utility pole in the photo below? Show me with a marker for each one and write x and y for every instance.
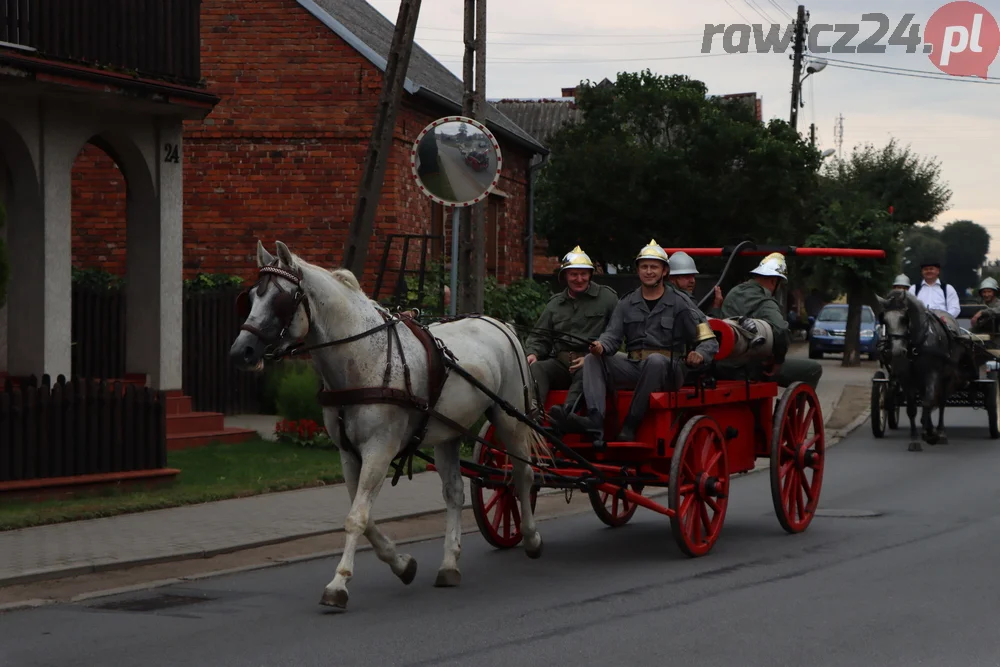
(812, 134)
(380, 144)
(472, 248)
(800, 41)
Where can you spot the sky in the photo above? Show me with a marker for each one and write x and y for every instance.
(537, 47)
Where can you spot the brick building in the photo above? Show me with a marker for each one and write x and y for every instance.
(281, 156)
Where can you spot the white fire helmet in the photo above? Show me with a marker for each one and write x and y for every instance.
(901, 281)
(989, 283)
(772, 266)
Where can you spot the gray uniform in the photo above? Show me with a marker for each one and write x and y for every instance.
(657, 342)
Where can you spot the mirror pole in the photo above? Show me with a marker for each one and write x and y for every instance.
(453, 306)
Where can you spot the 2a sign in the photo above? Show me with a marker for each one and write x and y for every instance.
(172, 153)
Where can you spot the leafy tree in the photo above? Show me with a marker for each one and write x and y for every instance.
(653, 157)
(896, 177)
(854, 220)
(967, 245)
(923, 243)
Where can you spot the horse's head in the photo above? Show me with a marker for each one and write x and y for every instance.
(898, 319)
(274, 309)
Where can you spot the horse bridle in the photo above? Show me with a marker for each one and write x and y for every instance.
(285, 304)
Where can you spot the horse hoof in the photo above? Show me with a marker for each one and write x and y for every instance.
(536, 551)
(334, 598)
(915, 447)
(931, 439)
(942, 440)
(409, 572)
(448, 578)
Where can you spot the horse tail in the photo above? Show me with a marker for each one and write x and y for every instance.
(537, 444)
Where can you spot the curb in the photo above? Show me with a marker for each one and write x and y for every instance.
(833, 438)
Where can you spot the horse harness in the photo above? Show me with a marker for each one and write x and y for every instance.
(439, 360)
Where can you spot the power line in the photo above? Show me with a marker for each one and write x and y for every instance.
(578, 34)
(733, 7)
(895, 69)
(915, 76)
(530, 61)
(781, 9)
(540, 44)
(757, 8)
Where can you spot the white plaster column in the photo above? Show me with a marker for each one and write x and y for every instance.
(155, 255)
(39, 238)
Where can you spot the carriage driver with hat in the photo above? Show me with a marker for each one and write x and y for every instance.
(659, 325)
(754, 299)
(581, 311)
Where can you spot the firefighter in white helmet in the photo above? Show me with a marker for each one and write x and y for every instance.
(755, 299)
(665, 334)
(579, 312)
(684, 273)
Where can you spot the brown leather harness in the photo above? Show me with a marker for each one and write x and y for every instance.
(285, 306)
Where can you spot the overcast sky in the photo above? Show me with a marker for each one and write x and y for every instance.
(537, 47)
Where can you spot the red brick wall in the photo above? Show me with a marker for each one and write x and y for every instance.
(281, 156)
(98, 213)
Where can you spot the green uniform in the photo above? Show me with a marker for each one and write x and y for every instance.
(583, 317)
(751, 299)
(987, 322)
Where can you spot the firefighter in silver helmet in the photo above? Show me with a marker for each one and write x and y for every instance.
(684, 273)
(985, 321)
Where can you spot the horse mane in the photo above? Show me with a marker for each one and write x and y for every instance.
(347, 277)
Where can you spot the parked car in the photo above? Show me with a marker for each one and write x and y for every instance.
(827, 333)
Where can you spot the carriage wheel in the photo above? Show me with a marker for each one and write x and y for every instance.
(892, 406)
(880, 399)
(992, 400)
(611, 509)
(497, 511)
(798, 454)
(699, 486)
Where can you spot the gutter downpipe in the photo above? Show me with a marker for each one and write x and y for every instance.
(530, 261)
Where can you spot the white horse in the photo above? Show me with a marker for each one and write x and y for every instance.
(298, 302)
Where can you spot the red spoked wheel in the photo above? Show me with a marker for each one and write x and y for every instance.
(497, 511)
(699, 486)
(798, 454)
(611, 509)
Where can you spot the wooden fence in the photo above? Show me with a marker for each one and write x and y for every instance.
(209, 325)
(81, 427)
(210, 379)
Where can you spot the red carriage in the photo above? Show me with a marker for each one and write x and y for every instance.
(692, 442)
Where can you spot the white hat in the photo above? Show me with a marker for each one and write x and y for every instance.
(901, 279)
(989, 283)
(772, 266)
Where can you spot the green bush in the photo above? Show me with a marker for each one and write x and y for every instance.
(96, 279)
(210, 282)
(520, 302)
(274, 373)
(296, 396)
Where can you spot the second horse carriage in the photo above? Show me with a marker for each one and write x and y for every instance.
(925, 354)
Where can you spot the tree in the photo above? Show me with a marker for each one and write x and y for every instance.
(653, 157)
(855, 220)
(923, 243)
(966, 246)
(897, 177)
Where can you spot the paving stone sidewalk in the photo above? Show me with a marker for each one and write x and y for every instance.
(198, 530)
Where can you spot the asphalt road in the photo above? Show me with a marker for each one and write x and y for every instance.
(466, 183)
(916, 584)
